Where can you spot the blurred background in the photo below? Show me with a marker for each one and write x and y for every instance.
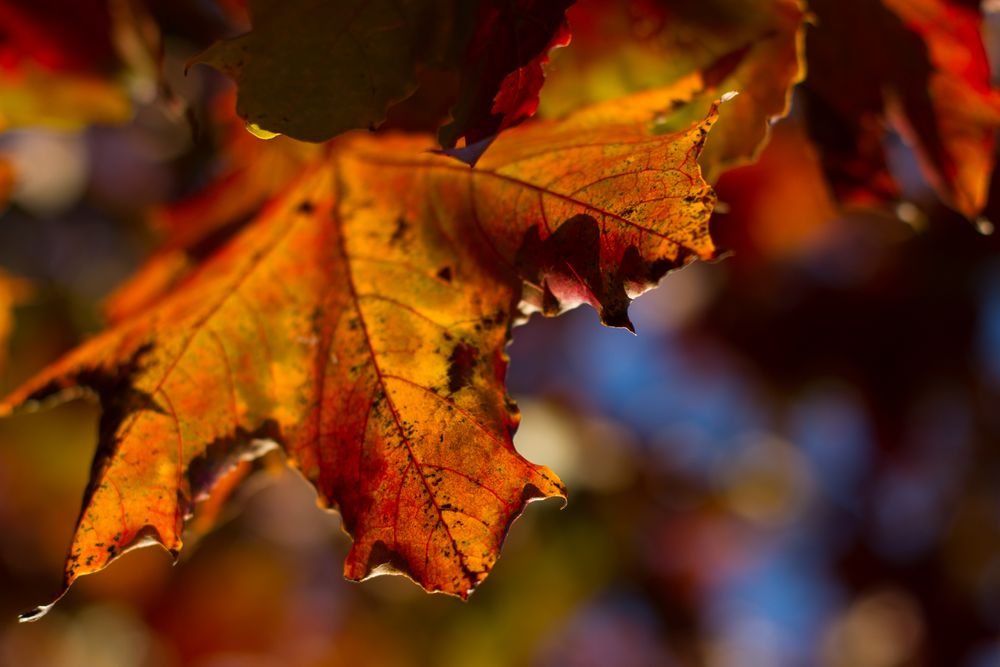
(793, 463)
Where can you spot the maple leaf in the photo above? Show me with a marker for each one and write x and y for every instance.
(341, 66)
(703, 48)
(932, 85)
(360, 322)
(313, 70)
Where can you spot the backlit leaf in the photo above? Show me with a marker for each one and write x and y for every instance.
(965, 102)
(919, 66)
(752, 47)
(360, 323)
(252, 173)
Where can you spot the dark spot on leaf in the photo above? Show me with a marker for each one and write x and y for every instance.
(445, 274)
(306, 207)
(460, 365)
(402, 226)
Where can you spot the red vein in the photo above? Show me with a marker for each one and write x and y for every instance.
(403, 306)
(229, 378)
(265, 344)
(381, 381)
(472, 479)
(516, 181)
(452, 403)
(197, 324)
(180, 449)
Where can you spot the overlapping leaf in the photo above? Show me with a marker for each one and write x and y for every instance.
(966, 104)
(933, 86)
(753, 47)
(312, 70)
(502, 73)
(360, 322)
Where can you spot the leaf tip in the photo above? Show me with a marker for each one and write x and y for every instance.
(617, 319)
(38, 612)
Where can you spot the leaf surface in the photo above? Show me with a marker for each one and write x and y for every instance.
(313, 70)
(360, 323)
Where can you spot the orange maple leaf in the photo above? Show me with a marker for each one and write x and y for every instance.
(360, 323)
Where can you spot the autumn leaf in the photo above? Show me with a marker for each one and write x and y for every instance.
(341, 66)
(752, 47)
(966, 104)
(932, 84)
(360, 322)
(502, 72)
